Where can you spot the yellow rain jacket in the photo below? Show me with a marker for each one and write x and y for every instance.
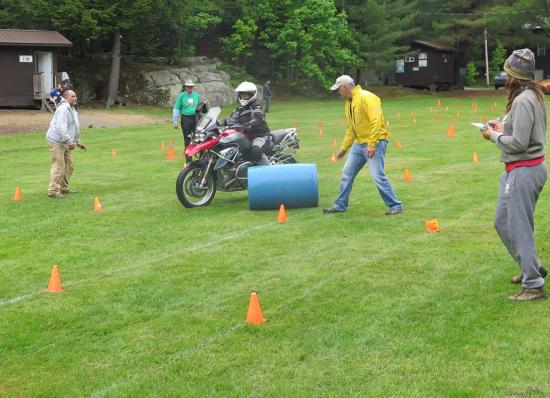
(366, 123)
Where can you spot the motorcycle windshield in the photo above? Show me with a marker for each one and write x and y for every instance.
(209, 120)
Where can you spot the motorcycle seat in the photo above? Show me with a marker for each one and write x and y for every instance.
(278, 135)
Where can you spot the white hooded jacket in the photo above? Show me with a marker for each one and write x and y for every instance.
(64, 127)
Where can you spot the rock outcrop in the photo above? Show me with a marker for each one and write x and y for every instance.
(210, 82)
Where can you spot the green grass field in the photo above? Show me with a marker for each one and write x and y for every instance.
(357, 304)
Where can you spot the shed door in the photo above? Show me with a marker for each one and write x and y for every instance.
(44, 65)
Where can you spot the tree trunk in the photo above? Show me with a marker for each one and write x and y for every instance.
(112, 91)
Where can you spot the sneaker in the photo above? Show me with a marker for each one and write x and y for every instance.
(394, 211)
(519, 278)
(68, 190)
(56, 195)
(332, 210)
(529, 294)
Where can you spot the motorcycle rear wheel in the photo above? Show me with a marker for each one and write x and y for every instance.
(188, 189)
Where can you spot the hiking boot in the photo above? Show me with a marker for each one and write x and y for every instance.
(529, 294)
(332, 210)
(394, 211)
(519, 278)
(56, 195)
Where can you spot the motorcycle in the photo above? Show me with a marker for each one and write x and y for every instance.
(221, 159)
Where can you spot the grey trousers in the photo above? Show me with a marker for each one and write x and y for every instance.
(514, 219)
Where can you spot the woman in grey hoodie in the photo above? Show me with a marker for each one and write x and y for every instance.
(522, 138)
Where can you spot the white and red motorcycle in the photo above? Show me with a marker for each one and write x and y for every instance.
(221, 159)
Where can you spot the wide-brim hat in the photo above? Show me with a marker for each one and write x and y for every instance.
(189, 83)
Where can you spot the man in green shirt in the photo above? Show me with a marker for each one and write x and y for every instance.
(187, 104)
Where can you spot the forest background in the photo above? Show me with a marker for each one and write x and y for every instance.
(301, 45)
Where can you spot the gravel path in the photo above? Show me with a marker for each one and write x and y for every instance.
(13, 121)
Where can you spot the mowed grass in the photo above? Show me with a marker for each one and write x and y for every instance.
(357, 304)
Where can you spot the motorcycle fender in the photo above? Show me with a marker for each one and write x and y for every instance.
(198, 162)
(193, 149)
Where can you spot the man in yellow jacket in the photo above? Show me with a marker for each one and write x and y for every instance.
(367, 137)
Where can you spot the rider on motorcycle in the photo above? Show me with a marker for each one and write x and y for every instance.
(251, 116)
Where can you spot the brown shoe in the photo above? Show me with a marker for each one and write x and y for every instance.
(519, 278)
(68, 190)
(529, 294)
(56, 195)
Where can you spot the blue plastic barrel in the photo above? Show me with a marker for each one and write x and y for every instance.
(294, 185)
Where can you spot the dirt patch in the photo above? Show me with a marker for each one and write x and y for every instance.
(13, 121)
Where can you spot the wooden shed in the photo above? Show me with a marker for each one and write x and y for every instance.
(430, 65)
(28, 65)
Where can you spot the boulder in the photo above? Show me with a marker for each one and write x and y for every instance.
(210, 83)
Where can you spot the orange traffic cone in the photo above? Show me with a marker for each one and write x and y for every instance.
(334, 143)
(398, 144)
(113, 152)
(432, 225)
(171, 154)
(399, 115)
(254, 315)
(484, 119)
(407, 176)
(321, 132)
(162, 145)
(437, 117)
(54, 285)
(333, 158)
(97, 205)
(17, 196)
(281, 217)
(414, 119)
(475, 159)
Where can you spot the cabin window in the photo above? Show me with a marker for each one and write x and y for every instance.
(400, 66)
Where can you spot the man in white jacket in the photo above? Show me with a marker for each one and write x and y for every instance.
(63, 136)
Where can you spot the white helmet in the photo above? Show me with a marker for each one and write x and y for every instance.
(249, 88)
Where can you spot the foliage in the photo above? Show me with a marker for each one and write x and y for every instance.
(239, 44)
(383, 31)
(497, 60)
(471, 74)
(310, 41)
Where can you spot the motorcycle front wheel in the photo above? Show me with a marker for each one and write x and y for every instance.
(189, 190)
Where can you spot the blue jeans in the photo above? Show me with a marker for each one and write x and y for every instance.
(357, 158)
